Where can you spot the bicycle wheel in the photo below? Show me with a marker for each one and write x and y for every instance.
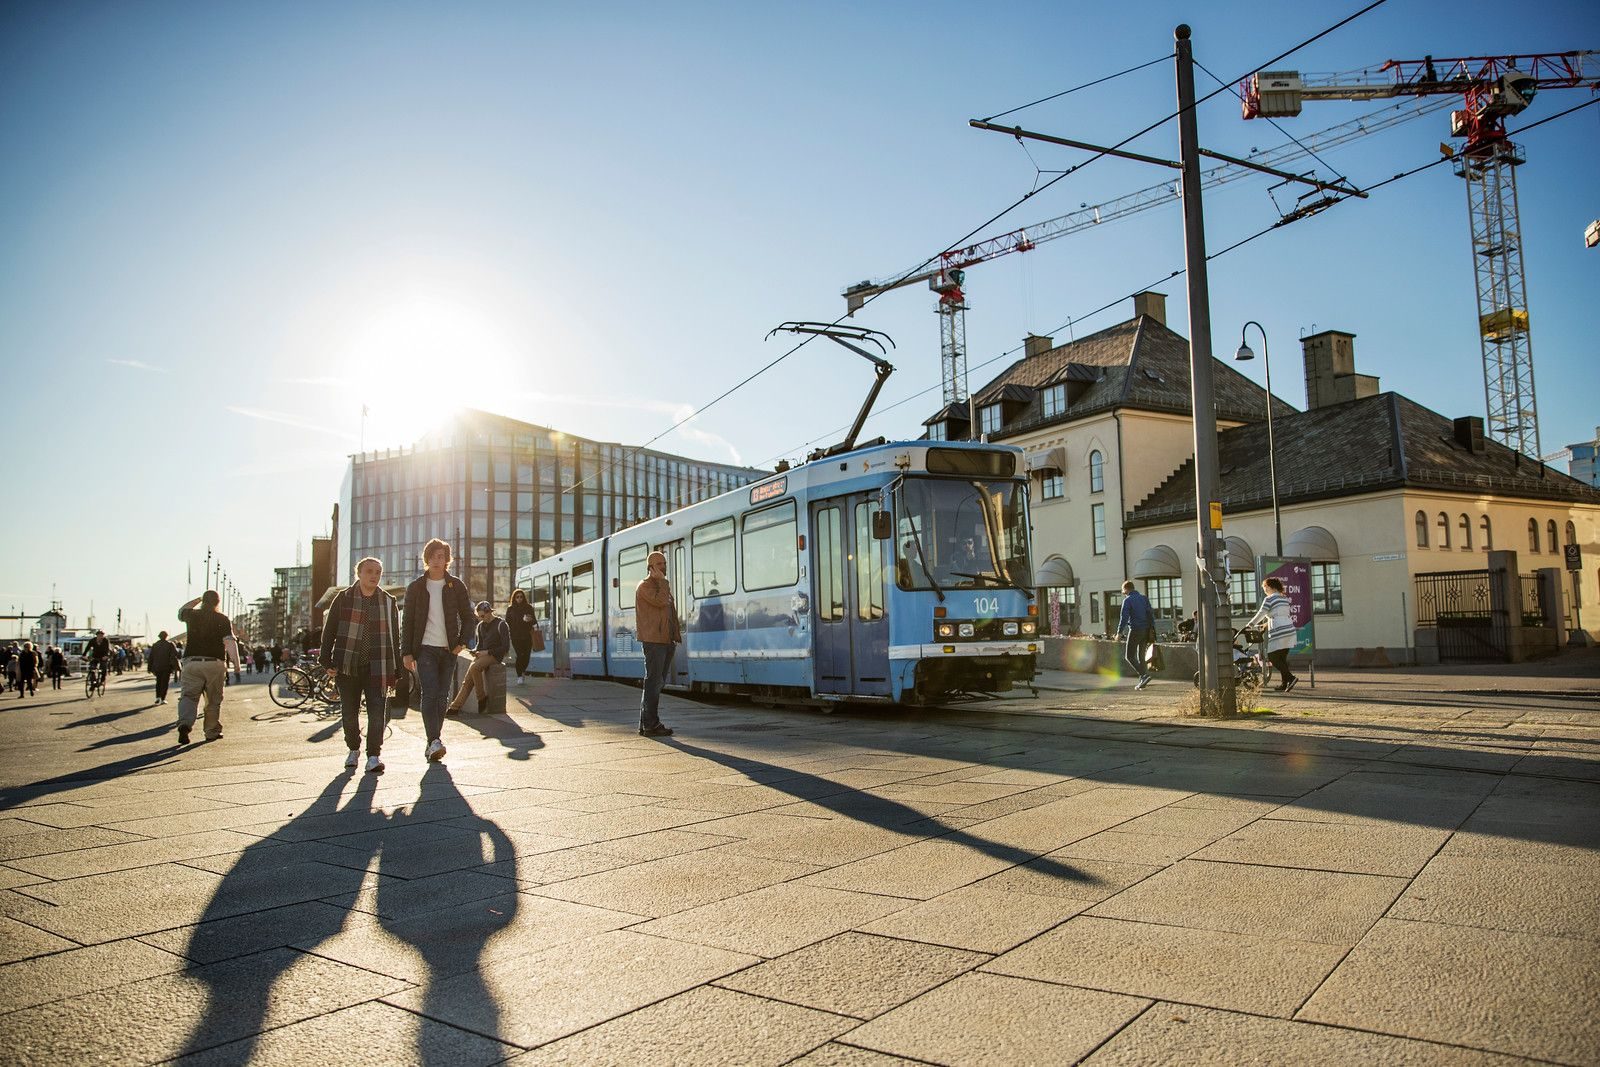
(88, 684)
(100, 684)
(291, 687)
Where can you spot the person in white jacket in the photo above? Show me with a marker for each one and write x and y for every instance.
(1276, 611)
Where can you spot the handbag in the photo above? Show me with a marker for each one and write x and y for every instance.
(1154, 658)
(537, 645)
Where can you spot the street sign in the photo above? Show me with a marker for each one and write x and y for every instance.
(1574, 558)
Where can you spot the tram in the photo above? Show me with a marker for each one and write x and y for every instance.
(896, 572)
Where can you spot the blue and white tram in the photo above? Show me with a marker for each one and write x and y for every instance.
(897, 572)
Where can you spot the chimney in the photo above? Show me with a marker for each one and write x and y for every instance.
(1331, 378)
(1469, 433)
(1037, 345)
(1152, 304)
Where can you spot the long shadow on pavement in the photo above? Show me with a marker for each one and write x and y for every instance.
(238, 1021)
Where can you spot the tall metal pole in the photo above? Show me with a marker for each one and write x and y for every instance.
(1214, 641)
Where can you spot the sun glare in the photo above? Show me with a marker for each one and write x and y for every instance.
(416, 360)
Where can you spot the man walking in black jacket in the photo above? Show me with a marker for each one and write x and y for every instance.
(161, 661)
(438, 612)
(494, 641)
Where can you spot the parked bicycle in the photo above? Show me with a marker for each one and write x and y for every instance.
(295, 687)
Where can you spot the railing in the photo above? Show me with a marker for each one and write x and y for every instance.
(1447, 597)
(1532, 601)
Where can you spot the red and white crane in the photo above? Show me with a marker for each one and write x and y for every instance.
(946, 274)
(1492, 89)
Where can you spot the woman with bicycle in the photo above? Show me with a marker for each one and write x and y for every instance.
(1277, 611)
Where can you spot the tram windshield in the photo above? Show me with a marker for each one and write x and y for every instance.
(955, 534)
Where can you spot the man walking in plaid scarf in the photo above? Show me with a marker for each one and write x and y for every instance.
(360, 643)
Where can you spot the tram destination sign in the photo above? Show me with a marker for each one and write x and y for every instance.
(769, 490)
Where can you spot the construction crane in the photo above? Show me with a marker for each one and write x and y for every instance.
(946, 276)
(1492, 88)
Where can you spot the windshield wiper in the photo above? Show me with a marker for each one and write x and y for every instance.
(1003, 583)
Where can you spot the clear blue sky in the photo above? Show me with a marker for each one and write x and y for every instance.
(223, 227)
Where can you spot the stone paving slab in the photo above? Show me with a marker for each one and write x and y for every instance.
(70, 973)
(1357, 848)
(1261, 975)
(365, 1033)
(1520, 994)
(978, 919)
(986, 1018)
(775, 920)
(533, 999)
(860, 975)
(1505, 894)
(705, 1026)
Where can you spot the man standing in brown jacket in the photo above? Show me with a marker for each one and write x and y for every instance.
(658, 632)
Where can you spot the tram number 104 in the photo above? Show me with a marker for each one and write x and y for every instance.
(987, 605)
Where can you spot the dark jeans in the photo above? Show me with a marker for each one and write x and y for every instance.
(1280, 661)
(436, 672)
(162, 678)
(1139, 641)
(523, 652)
(657, 659)
(352, 687)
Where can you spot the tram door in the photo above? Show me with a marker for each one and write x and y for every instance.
(678, 576)
(850, 608)
(560, 597)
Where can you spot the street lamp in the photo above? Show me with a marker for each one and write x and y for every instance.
(1240, 356)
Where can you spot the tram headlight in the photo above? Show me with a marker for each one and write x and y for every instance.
(1030, 627)
(945, 629)
(966, 629)
(1010, 629)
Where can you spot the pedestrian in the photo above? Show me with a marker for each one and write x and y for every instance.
(1278, 612)
(27, 670)
(203, 666)
(161, 661)
(360, 648)
(490, 646)
(277, 656)
(260, 656)
(438, 612)
(230, 658)
(658, 630)
(56, 664)
(1138, 623)
(521, 620)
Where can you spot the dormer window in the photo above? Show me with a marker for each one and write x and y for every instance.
(1053, 401)
(989, 419)
(937, 431)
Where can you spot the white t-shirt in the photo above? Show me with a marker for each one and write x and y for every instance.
(434, 632)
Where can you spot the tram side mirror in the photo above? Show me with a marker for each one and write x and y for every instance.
(882, 525)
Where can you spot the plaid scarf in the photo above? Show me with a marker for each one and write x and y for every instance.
(363, 639)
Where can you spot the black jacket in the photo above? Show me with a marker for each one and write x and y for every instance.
(458, 614)
(162, 658)
(494, 637)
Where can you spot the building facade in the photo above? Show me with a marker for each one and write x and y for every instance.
(1373, 488)
(505, 493)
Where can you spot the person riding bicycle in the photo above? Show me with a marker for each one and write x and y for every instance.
(98, 652)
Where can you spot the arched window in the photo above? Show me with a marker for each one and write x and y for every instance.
(1466, 533)
(1533, 535)
(1422, 529)
(1572, 534)
(1550, 536)
(1488, 534)
(1097, 472)
(1444, 530)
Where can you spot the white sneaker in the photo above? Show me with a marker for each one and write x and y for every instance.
(435, 750)
(351, 760)
(374, 765)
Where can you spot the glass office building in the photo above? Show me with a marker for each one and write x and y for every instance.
(505, 493)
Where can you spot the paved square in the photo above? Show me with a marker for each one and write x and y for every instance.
(1073, 877)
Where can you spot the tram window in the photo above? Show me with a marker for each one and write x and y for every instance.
(869, 566)
(582, 598)
(830, 566)
(539, 599)
(631, 570)
(711, 559)
(771, 559)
